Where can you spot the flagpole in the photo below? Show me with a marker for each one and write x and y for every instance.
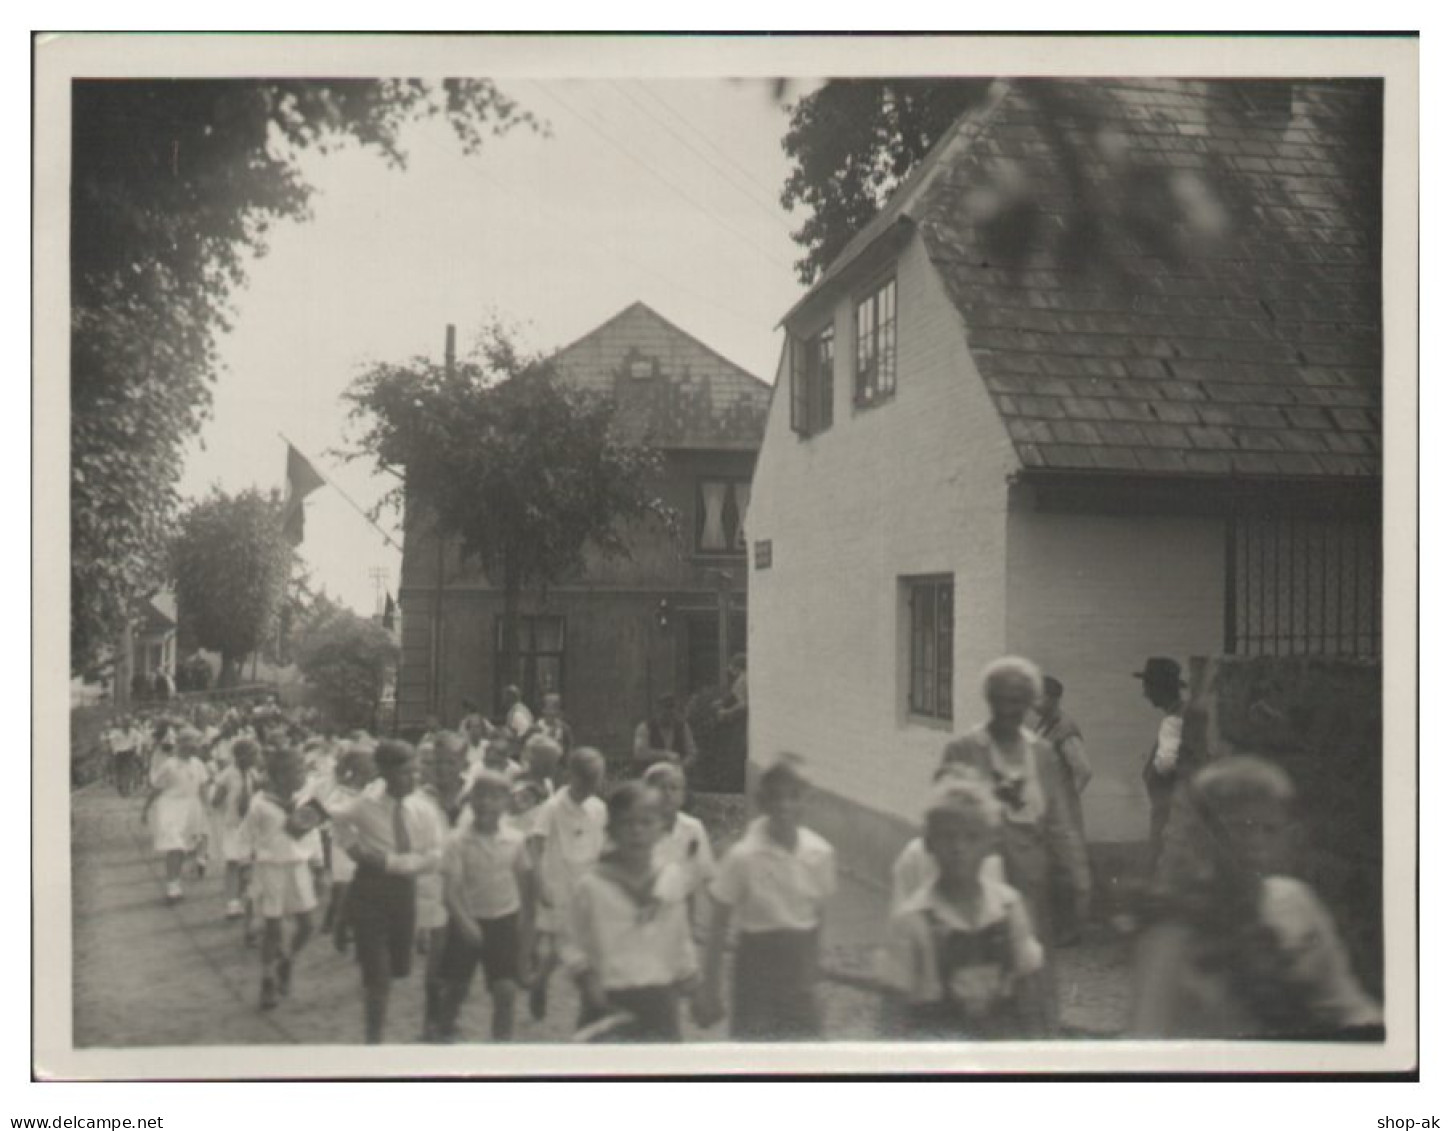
(366, 518)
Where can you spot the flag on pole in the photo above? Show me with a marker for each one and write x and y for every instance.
(302, 480)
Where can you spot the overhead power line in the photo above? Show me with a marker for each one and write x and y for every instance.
(748, 189)
(772, 192)
(531, 206)
(614, 143)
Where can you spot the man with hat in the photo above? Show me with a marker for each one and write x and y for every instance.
(1173, 759)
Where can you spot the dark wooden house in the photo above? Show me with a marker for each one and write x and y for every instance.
(627, 630)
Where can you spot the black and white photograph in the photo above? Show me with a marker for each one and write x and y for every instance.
(668, 555)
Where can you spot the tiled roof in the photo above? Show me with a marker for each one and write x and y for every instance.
(667, 385)
(1221, 315)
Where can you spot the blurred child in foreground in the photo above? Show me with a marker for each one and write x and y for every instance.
(1240, 948)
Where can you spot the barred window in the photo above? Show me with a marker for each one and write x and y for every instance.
(929, 605)
(1302, 585)
(876, 345)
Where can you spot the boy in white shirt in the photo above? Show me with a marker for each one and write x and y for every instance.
(772, 886)
(565, 843)
(961, 960)
(487, 888)
(684, 842)
(629, 942)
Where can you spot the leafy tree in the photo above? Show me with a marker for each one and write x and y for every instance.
(175, 185)
(852, 142)
(231, 564)
(523, 469)
(346, 658)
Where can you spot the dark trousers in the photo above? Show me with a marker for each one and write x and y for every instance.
(383, 911)
(655, 1009)
(774, 993)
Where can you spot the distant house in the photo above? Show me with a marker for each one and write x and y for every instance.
(153, 641)
(1011, 430)
(627, 630)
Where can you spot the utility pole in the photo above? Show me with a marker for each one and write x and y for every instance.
(436, 664)
(379, 575)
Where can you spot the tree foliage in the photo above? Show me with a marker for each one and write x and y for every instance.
(231, 565)
(851, 143)
(346, 659)
(175, 185)
(525, 471)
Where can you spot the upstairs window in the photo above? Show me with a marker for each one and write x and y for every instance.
(813, 382)
(876, 345)
(720, 506)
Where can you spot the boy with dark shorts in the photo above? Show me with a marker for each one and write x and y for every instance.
(487, 888)
(393, 837)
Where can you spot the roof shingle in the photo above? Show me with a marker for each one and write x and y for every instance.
(1166, 275)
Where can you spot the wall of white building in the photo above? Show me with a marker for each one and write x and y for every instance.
(1089, 598)
(911, 487)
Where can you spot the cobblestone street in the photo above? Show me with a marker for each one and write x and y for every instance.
(151, 975)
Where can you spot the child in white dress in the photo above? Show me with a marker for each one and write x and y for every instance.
(287, 853)
(177, 782)
(231, 798)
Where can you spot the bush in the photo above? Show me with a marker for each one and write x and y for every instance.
(346, 659)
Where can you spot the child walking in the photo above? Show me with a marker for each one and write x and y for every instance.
(354, 770)
(441, 765)
(488, 889)
(534, 786)
(961, 961)
(683, 841)
(629, 944)
(1241, 949)
(232, 799)
(772, 887)
(177, 783)
(915, 867)
(564, 844)
(285, 857)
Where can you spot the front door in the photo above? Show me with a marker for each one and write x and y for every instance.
(702, 648)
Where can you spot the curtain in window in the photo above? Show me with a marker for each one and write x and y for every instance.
(742, 505)
(712, 535)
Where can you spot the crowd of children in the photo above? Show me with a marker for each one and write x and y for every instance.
(499, 849)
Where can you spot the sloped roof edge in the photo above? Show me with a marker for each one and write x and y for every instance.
(898, 208)
(639, 304)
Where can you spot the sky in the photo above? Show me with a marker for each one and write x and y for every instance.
(666, 192)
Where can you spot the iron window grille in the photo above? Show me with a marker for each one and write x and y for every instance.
(1302, 585)
(929, 603)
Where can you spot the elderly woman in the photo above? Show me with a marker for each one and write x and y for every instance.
(1038, 832)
